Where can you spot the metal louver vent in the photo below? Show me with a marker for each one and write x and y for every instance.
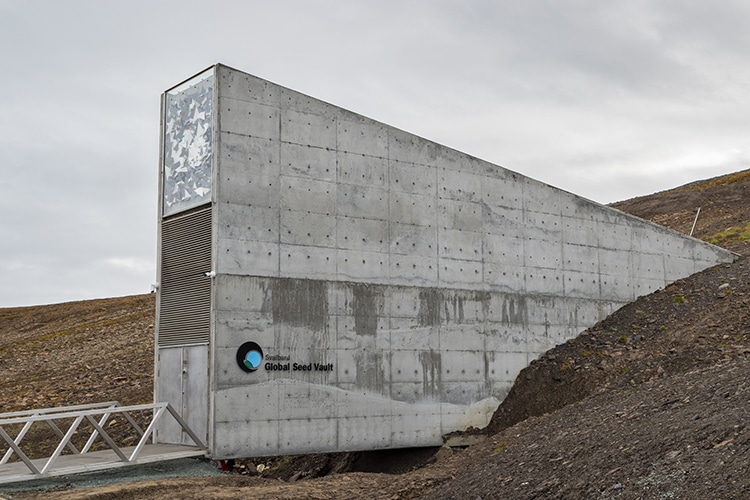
(185, 290)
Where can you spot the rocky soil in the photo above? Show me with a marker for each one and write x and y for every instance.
(650, 403)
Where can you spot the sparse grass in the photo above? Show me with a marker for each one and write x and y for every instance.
(623, 339)
(741, 233)
(36, 341)
(678, 298)
(499, 448)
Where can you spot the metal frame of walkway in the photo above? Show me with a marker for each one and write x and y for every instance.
(84, 460)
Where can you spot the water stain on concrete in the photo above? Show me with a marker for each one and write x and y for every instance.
(457, 309)
(367, 307)
(515, 311)
(370, 371)
(430, 300)
(431, 373)
(300, 302)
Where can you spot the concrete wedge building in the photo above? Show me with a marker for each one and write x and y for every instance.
(330, 283)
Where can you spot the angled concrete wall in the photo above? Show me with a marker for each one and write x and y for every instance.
(421, 278)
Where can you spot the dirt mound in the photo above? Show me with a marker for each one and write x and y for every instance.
(682, 436)
(693, 323)
(724, 204)
(649, 403)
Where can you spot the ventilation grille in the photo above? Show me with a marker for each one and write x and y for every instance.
(185, 290)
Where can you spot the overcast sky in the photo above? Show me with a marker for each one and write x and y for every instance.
(609, 100)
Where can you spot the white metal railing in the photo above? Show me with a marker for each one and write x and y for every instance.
(97, 415)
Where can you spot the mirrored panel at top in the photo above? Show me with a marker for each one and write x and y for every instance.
(188, 138)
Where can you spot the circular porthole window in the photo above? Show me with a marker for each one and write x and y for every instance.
(249, 356)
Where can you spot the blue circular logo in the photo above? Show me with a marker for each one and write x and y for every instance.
(249, 356)
(253, 359)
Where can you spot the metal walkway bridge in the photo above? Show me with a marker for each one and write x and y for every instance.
(85, 425)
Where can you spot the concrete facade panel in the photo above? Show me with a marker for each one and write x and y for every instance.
(541, 198)
(408, 208)
(395, 286)
(456, 273)
(452, 159)
(542, 226)
(244, 87)
(242, 294)
(415, 426)
(308, 129)
(678, 266)
(453, 214)
(644, 286)
(615, 236)
(408, 148)
(579, 232)
(248, 118)
(356, 433)
(510, 279)
(651, 238)
(580, 258)
(463, 366)
(362, 202)
(305, 195)
(307, 162)
(616, 289)
(508, 223)
(544, 281)
(504, 250)
(459, 338)
(362, 234)
(412, 178)
(458, 185)
(580, 285)
(249, 169)
(235, 256)
(306, 261)
(457, 244)
(261, 438)
(305, 104)
(309, 433)
(461, 393)
(361, 169)
(502, 192)
(505, 366)
(615, 263)
(366, 138)
(357, 265)
(406, 334)
(410, 239)
(308, 229)
(543, 254)
(704, 254)
(234, 328)
(646, 265)
(413, 270)
(251, 223)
